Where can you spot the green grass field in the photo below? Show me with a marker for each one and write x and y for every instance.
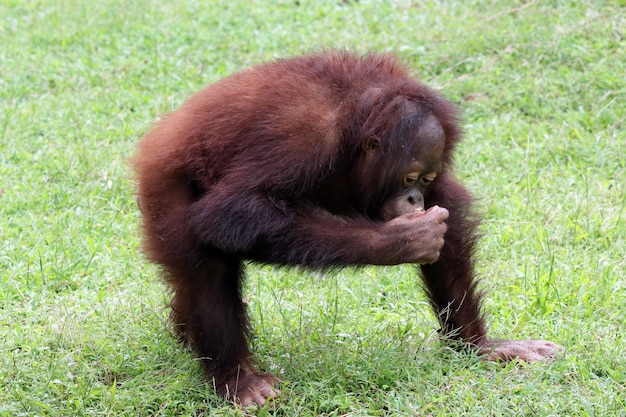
(84, 325)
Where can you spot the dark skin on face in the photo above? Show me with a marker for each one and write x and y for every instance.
(321, 161)
(419, 173)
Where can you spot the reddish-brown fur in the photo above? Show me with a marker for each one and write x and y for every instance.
(273, 164)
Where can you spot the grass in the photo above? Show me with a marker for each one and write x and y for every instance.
(83, 318)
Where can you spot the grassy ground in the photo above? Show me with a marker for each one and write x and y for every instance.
(83, 318)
